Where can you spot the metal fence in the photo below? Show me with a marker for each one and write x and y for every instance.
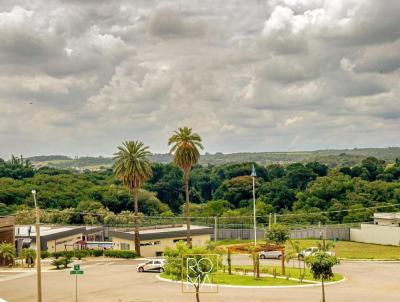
(242, 234)
(324, 232)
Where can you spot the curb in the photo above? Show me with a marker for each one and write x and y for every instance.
(370, 260)
(260, 286)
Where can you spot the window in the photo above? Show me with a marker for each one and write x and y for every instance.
(125, 246)
(181, 239)
(150, 243)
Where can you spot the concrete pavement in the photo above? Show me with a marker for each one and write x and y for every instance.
(119, 281)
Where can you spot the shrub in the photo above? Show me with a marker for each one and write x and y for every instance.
(57, 255)
(29, 256)
(96, 253)
(278, 234)
(120, 254)
(44, 254)
(65, 261)
(57, 263)
(81, 254)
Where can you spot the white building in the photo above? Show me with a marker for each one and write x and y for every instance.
(385, 230)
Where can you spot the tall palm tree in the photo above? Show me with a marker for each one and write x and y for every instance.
(133, 167)
(185, 151)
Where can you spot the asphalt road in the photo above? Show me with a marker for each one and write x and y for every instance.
(118, 281)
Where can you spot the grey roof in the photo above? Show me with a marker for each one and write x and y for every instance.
(48, 233)
(170, 232)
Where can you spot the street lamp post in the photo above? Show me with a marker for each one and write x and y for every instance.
(253, 175)
(38, 256)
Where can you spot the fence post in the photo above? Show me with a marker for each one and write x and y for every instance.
(270, 221)
(215, 229)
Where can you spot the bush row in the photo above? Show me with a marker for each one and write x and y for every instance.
(86, 253)
(120, 254)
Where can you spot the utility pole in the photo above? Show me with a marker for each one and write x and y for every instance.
(38, 256)
(253, 175)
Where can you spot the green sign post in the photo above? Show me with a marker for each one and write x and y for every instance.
(76, 271)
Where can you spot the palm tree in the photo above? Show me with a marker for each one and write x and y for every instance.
(29, 256)
(7, 251)
(133, 167)
(185, 151)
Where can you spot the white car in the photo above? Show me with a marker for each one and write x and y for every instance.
(311, 250)
(153, 265)
(270, 254)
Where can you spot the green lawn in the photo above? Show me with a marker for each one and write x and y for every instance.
(289, 271)
(222, 278)
(356, 250)
(231, 242)
(343, 249)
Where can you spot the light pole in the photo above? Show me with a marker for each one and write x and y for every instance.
(253, 175)
(38, 264)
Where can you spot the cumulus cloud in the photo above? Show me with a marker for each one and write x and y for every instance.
(79, 77)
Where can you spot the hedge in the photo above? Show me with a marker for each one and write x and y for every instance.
(120, 254)
(96, 253)
(44, 254)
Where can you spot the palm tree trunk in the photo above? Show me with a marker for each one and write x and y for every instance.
(187, 209)
(135, 221)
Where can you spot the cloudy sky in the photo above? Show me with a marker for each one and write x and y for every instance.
(79, 77)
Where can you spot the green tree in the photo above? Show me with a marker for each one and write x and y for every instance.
(181, 260)
(29, 256)
(236, 190)
(278, 194)
(7, 252)
(133, 167)
(185, 150)
(292, 252)
(277, 234)
(321, 267)
(150, 205)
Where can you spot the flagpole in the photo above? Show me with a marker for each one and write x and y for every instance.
(253, 174)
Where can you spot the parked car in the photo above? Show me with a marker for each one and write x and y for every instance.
(270, 254)
(311, 250)
(153, 265)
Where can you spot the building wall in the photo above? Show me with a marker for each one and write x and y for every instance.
(58, 245)
(378, 234)
(382, 221)
(152, 250)
(6, 232)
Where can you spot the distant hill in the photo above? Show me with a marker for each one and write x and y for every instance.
(333, 158)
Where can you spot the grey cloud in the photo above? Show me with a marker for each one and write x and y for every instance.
(247, 75)
(167, 22)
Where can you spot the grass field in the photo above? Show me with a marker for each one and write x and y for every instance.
(222, 278)
(293, 272)
(343, 249)
(356, 250)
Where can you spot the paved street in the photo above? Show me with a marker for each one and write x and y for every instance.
(118, 281)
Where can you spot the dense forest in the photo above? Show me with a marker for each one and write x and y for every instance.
(297, 192)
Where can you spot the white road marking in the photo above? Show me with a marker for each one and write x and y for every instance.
(16, 276)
